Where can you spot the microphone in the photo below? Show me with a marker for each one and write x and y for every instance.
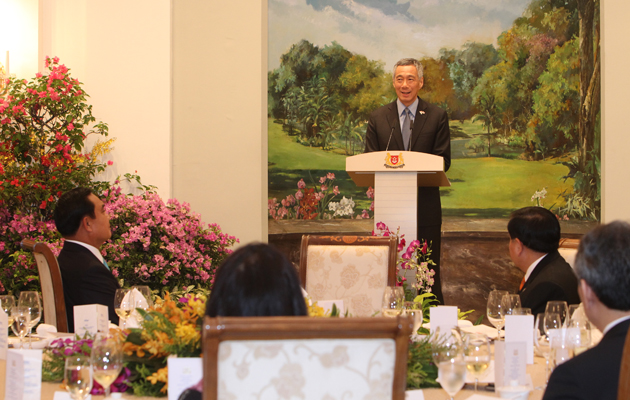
(390, 138)
(390, 135)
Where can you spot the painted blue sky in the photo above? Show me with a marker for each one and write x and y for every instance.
(388, 30)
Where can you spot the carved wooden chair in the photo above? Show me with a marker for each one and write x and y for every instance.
(51, 283)
(355, 269)
(304, 357)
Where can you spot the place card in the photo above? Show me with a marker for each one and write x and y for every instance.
(66, 396)
(183, 372)
(328, 304)
(510, 363)
(23, 375)
(416, 394)
(4, 334)
(90, 318)
(444, 317)
(520, 328)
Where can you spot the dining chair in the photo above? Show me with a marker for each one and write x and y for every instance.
(305, 357)
(623, 391)
(568, 249)
(355, 269)
(51, 284)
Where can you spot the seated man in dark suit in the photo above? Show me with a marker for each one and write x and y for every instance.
(534, 240)
(81, 219)
(602, 264)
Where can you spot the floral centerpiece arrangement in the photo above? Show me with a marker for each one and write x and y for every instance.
(416, 257)
(172, 327)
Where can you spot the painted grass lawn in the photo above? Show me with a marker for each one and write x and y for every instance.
(482, 187)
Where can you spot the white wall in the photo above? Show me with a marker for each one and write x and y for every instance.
(18, 35)
(121, 51)
(219, 113)
(615, 129)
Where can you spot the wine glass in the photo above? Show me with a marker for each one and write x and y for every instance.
(522, 311)
(145, 302)
(7, 302)
(559, 307)
(411, 308)
(579, 331)
(21, 321)
(551, 321)
(541, 342)
(393, 299)
(106, 359)
(30, 299)
(477, 355)
(78, 376)
(509, 302)
(494, 310)
(123, 304)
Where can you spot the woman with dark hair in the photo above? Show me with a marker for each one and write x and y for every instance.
(255, 281)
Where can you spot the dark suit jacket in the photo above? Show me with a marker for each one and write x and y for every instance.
(430, 134)
(85, 281)
(593, 374)
(552, 279)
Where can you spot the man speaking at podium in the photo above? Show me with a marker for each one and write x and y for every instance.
(412, 124)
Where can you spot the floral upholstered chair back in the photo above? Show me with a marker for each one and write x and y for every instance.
(355, 269)
(306, 363)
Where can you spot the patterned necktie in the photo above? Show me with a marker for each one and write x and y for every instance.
(406, 128)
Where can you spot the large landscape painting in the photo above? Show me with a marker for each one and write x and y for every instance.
(520, 80)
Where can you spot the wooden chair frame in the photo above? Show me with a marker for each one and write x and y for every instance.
(623, 390)
(219, 329)
(390, 241)
(51, 284)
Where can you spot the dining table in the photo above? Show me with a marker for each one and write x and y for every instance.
(536, 371)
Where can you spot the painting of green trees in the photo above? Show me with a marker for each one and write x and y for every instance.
(524, 105)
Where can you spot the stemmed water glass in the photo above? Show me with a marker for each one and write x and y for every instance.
(579, 331)
(106, 359)
(78, 376)
(30, 300)
(541, 342)
(477, 355)
(393, 298)
(495, 311)
(123, 304)
(21, 321)
(509, 303)
(7, 302)
(559, 307)
(411, 308)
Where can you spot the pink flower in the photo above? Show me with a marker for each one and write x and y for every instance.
(330, 176)
(366, 215)
(110, 162)
(336, 190)
(324, 188)
(381, 225)
(322, 179)
(370, 193)
(70, 127)
(55, 60)
(299, 195)
(301, 184)
(38, 75)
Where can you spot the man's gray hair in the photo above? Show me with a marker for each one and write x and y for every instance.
(603, 261)
(409, 61)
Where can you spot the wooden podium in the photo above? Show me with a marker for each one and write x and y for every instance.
(395, 177)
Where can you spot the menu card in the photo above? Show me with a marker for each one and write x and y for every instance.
(4, 334)
(509, 363)
(183, 373)
(90, 318)
(444, 317)
(24, 375)
(520, 329)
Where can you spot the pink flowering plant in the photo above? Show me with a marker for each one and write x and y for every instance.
(163, 245)
(43, 125)
(416, 257)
